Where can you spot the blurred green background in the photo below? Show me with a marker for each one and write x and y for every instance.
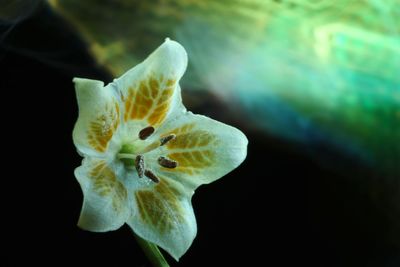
(314, 71)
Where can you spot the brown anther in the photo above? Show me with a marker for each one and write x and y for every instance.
(149, 174)
(139, 165)
(167, 163)
(166, 139)
(146, 132)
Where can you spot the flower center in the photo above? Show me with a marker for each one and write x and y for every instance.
(132, 155)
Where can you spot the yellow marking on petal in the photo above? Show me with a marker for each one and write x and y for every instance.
(129, 103)
(192, 162)
(143, 103)
(170, 82)
(182, 129)
(106, 184)
(192, 139)
(138, 102)
(151, 100)
(154, 87)
(190, 149)
(160, 208)
(103, 127)
(161, 108)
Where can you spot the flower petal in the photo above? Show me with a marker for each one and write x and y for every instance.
(150, 90)
(99, 116)
(105, 206)
(204, 149)
(165, 216)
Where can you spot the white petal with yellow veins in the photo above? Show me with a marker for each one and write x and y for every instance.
(99, 116)
(204, 149)
(164, 216)
(105, 206)
(150, 91)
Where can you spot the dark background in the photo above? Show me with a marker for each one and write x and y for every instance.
(286, 205)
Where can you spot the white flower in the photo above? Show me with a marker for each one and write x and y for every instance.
(144, 154)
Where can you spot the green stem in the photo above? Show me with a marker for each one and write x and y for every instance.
(152, 252)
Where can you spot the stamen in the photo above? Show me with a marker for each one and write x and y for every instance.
(162, 141)
(167, 163)
(150, 147)
(166, 139)
(126, 156)
(139, 165)
(146, 132)
(149, 174)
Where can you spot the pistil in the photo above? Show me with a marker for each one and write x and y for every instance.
(132, 154)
